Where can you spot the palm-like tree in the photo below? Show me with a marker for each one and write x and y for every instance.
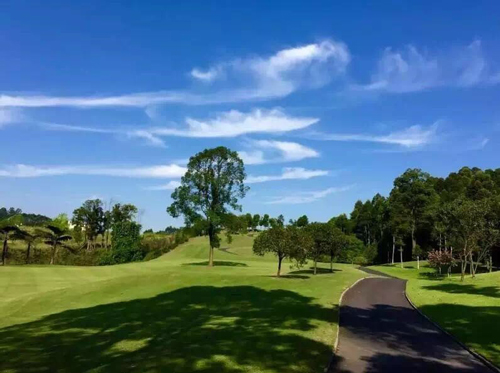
(8, 227)
(55, 237)
(27, 237)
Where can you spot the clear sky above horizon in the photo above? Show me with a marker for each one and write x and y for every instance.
(326, 102)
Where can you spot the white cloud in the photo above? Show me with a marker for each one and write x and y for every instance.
(235, 123)
(412, 70)
(155, 172)
(308, 197)
(8, 116)
(289, 173)
(280, 151)
(205, 76)
(411, 137)
(150, 138)
(246, 79)
(171, 185)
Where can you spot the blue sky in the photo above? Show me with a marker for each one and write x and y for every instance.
(327, 102)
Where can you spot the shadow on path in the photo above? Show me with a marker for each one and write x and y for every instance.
(381, 332)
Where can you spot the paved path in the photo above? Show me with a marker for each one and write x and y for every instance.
(381, 332)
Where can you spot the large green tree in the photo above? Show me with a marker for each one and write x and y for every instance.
(213, 184)
(90, 218)
(414, 197)
(284, 242)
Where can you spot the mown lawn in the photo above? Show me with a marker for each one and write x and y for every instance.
(469, 310)
(172, 314)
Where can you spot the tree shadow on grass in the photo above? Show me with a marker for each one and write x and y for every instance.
(194, 329)
(218, 263)
(289, 277)
(487, 291)
(320, 271)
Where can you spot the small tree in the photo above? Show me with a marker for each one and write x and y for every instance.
(417, 253)
(284, 242)
(302, 221)
(125, 243)
(320, 235)
(255, 221)
(55, 237)
(214, 182)
(265, 221)
(9, 227)
(441, 258)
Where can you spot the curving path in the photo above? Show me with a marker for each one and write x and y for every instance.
(381, 332)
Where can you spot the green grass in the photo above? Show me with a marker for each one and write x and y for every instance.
(469, 310)
(172, 314)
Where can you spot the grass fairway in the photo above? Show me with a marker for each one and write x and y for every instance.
(172, 314)
(469, 310)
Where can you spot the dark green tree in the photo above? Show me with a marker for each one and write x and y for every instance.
(213, 183)
(302, 221)
(55, 237)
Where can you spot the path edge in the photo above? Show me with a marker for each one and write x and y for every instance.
(478, 356)
(336, 344)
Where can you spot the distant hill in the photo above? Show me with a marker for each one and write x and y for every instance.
(28, 219)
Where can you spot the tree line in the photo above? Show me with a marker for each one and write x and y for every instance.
(454, 220)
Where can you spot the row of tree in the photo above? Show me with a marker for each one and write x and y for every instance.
(459, 214)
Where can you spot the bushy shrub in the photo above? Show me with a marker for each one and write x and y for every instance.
(126, 244)
(440, 259)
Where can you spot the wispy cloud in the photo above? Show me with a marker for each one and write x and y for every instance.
(236, 123)
(411, 137)
(246, 79)
(150, 138)
(226, 124)
(280, 151)
(308, 197)
(8, 116)
(171, 185)
(154, 172)
(412, 70)
(288, 173)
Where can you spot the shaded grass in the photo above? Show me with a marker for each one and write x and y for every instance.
(164, 316)
(469, 310)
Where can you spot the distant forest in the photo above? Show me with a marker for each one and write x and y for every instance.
(28, 219)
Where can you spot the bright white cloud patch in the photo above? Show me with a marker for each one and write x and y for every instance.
(411, 137)
(236, 123)
(156, 172)
(270, 151)
(412, 70)
(289, 173)
(308, 197)
(256, 78)
(171, 185)
(8, 116)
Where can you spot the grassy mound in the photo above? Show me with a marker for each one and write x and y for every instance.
(469, 310)
(172, 314)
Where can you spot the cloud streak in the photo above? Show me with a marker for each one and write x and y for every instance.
(411, 137)
(413, 70)
(289, 173)
(154, 172)
(281, 151)
(246, 79)
(308, 197)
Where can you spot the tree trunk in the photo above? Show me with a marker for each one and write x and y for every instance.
(4, 251)
(413, 239)
(491, 264)
(439, 241)
(463, 265)
(28, 250)
(331, 261)
(418, 262)
(279, 266)
(471, 268)
(54, 252)
(401, 256)
(315, 265)
(211, 257)
(393, 247)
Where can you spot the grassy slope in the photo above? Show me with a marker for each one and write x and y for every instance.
(469, 310)
(170, 315)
